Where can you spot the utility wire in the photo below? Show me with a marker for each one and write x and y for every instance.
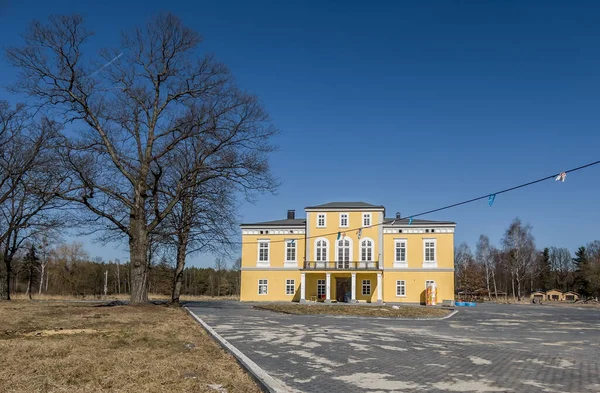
(442, 208)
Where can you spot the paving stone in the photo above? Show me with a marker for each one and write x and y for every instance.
(488, 348)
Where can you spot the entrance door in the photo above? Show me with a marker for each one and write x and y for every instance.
(343, 254)
(342, 286)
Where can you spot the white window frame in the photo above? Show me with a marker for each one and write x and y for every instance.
(350, 251)
(268, 261)
(285, 250)
(364, 217)
(324, 216)
(290, 283)
(427, 263)
(400, 263)
(263, 282)
(372, 247)
(347, 215)
(322, 262)
(365, 284)
(401, 284)
(428, 281)
(321, 283)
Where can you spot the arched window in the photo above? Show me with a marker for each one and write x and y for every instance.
(321, 251)
(366, 250)
(344, 251)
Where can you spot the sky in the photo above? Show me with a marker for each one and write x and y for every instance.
(412, 105)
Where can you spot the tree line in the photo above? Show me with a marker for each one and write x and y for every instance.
(68, 270)
(518, 267)
(151, 143)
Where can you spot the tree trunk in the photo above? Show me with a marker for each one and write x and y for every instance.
(43, 269)
(138, 255)
(29, 282)
(47, 275)
(512, 281)
(178, 278)
(487, 280)
(5, 276)
(118, 277)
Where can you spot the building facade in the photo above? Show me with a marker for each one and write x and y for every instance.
(347, 252)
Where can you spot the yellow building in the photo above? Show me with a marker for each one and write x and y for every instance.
(347, 251)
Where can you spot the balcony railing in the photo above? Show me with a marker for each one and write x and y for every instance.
(341, 265)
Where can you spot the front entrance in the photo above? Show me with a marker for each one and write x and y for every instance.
(342, 289)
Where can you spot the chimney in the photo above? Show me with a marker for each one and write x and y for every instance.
(291, 214)
(398, 215)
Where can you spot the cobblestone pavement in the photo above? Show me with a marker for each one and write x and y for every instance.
(488, 348)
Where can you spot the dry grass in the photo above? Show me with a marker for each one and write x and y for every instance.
(152, 296)
(74, 347)
(365, 311)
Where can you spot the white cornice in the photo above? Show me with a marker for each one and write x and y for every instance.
(273, 231)
(424, 230)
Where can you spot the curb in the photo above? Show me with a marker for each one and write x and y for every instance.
(266, 382)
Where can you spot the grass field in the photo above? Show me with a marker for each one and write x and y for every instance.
(359, 310)
(74, 347)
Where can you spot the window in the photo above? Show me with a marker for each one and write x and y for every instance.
(366, 250)
(290, 287)
(321, 222)
(366, 287)
(321, 250)
(429, 246)
(366, 219)
(320, 288)
(290, 251)
(400, 288)
(343, 261)
(263, 286)
(344, 219)
(400, 251)
(263, 251)
(429, 282)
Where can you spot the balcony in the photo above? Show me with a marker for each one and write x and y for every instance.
(341, 265)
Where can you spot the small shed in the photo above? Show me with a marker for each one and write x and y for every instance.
(537, 296)
(570, 296)
(554, 295)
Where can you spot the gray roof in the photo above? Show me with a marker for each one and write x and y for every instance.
(344, 205)
(282, 223)
(416, 221)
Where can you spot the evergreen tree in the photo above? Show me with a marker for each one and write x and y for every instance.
(581, 262)
(30, 265)
(546, 270)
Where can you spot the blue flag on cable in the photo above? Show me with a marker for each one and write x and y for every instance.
(491, 199)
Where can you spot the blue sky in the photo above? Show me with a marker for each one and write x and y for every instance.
(413, 105)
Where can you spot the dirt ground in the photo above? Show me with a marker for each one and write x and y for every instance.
(74, 347)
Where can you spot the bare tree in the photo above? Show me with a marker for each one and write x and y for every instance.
(28, 184)
(202, 222)
(132, 111)
(561, 264)
(484, 257)
(519, 247)
(462, 256)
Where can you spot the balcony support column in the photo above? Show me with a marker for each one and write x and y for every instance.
(353, 299)
(327, 287)
(302, 287)
(379, 288)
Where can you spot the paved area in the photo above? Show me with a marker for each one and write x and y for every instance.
(488, 348)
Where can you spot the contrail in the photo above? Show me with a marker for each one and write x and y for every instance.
(107, 64)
